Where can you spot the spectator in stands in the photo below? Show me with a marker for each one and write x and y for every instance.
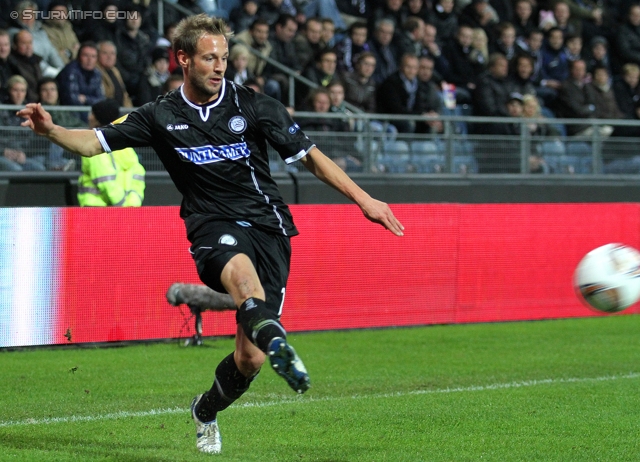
(112, 83)
(237, 70)
(627, 90)
(155, 76)
(60, 31)
(573, 47)
(5, 68)
(492, 94)
(329, 9)
(391, 10)
(409, 39)
(540, 133)
(348, 49)
(308, 42)
(564, 21)
(80, 82)
(478, 13)
(628, 37)
(272, 10)
(175, 81)
(104, 28)
(26, 21)
(23, 61)
(284, 52)
(432, 49)
(110, 179)
(384, 49)
(524, 19)
(600, 93)
(328, 33)
(555, 64)
(520, 79)
(14, 149)
(420, 9)
(336, 97)
(502, 154)
(400, 94)
(257, 37)
(340, 149)
(322, 73)
(479, 54)
(429, 93)
(599, 54)
(133, 47)
(241, 17)
(462, 70)
(445, 20)
(359, 85)
(48, 92)
(589, 14)
(506, 41)
(573, 100)
(353, 10)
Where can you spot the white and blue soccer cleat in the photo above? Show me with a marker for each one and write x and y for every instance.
(288, 365)
(208, 439)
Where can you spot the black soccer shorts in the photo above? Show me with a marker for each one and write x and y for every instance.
(216, 242)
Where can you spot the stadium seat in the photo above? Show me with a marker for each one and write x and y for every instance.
(427, 157)
(394, 157)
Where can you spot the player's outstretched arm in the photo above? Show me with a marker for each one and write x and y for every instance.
(327, 171)
(82, 142)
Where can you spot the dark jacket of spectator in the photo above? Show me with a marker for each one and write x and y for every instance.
(628, 41)
(445, 23)
(555, 64)
(491, 96)
(604, 101)
(461, 69)
(284, 53)
(573, 102)
(133, 59)
(393, 98)
(358, 93)
(626, 97)
(74, 81)
(29, 68)
(386, 60)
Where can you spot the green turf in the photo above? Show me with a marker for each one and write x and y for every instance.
(547, 391)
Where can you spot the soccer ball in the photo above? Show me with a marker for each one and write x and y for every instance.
(608, 278)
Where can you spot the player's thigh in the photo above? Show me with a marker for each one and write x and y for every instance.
(240, 278)
(214, 245)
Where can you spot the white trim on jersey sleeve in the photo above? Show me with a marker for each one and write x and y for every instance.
(298, 156)
(102, 139)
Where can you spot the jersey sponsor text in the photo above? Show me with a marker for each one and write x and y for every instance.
(208, 154)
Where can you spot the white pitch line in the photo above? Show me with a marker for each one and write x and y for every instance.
(176, 410)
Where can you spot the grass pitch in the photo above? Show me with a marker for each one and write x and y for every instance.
(549, 391)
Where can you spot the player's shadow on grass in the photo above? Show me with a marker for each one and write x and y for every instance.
(60, 447)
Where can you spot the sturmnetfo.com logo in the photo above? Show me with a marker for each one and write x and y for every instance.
(73, 15)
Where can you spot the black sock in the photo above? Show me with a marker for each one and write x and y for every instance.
(228, 386)
(259, 324)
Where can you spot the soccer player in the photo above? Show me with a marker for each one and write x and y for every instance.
(211, 136)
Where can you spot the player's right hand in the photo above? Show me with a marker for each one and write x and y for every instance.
(37, 119)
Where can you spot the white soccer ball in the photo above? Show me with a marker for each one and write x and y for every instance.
(608, 278)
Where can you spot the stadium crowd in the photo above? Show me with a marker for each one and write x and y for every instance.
(502, 58)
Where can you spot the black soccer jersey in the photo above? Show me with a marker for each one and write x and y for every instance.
(216, 154)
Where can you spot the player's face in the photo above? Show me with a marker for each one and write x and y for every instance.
(205, 69)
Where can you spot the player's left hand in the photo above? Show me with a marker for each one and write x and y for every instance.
(379, 212)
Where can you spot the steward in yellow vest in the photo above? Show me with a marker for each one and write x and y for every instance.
(115, 178)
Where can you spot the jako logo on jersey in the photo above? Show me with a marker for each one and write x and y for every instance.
(237, 124)
(171, 127)
(208, 154)
(227, 239)
(294, 128)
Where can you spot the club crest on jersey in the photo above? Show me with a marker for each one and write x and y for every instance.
(227, 239)
(294, 128)
(237, 124)
(172, 127)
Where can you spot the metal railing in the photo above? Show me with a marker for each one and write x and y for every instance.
(373, 145)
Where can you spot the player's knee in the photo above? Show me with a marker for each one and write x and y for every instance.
(249, 362)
